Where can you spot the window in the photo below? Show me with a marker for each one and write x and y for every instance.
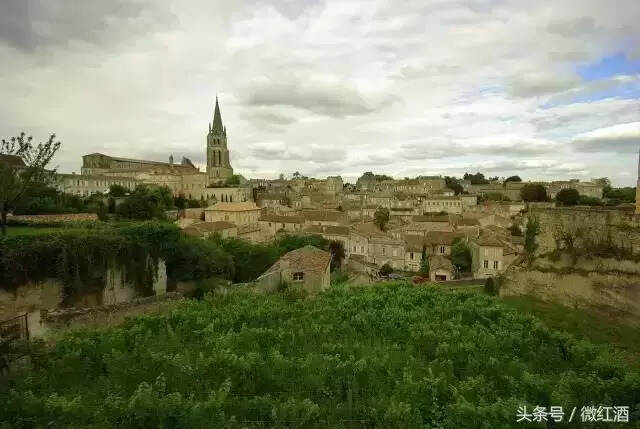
(395, 252)
(486, 263)
(442, 250)
(299, 276)
(411, 255)
(383, 251)
(495, 265)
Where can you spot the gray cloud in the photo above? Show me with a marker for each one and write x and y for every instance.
(623, 138)
(278, 150)
(529, 85)
(573, 27)
(322, 97)
(28, 24)
(497, 146)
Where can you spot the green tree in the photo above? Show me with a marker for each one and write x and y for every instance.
(476, 179)
(145, 204)
(453, 184)
(530, 235)
(461, 256)
(116, 190)
(381, 218)
(424, 262)
(336, 248)
(568, 197)
(23, 166)
(605, 183)
(513, 179)
(180, 202)
(233, 180)
(533, 192)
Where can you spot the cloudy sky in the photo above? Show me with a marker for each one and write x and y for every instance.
(540, 88)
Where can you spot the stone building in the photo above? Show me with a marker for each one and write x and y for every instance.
(274, 224)
(307, 267)
(588, 189)
(182, 178)
(435, 204)
(440, 268)
(207, 229)
(218, 162)
(487, 258)
(246, 213)
(85, 185)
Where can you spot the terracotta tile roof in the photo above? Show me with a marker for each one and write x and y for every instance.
(431, 218)
(234, 207)
(198, 229)
(488, 241)
(439, 262)
(442, 237)
(413, 243)
(330, 230)
(306, 259)
(368, 229)
(281, 219)
(324, 215)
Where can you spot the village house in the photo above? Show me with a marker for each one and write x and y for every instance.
(244, 213)
(435, 204)
(421, 225)
(413, 247)
(332, 233)
(274, 224)
(487, 258)
(439, 243)
(588, 189)
(440, 268)
(376, 246)
(307, 267)
(207, 229)
(325, 217)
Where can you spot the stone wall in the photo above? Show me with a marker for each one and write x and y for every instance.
(608, 285)
(619, 227)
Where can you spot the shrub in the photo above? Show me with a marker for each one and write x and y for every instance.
(532, 192)
(568, 197)
(385, 270)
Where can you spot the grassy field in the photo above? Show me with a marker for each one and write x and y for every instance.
(597, 328)
(388, 356)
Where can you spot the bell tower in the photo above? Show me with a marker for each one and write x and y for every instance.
(218, 162)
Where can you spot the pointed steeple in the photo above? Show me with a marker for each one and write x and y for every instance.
(216, 127)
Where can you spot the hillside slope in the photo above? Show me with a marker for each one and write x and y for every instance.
(390, 356)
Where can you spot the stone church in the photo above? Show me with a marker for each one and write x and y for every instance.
(100, 171)
(218, 164)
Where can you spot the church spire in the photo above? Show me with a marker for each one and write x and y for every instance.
(216, 127)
